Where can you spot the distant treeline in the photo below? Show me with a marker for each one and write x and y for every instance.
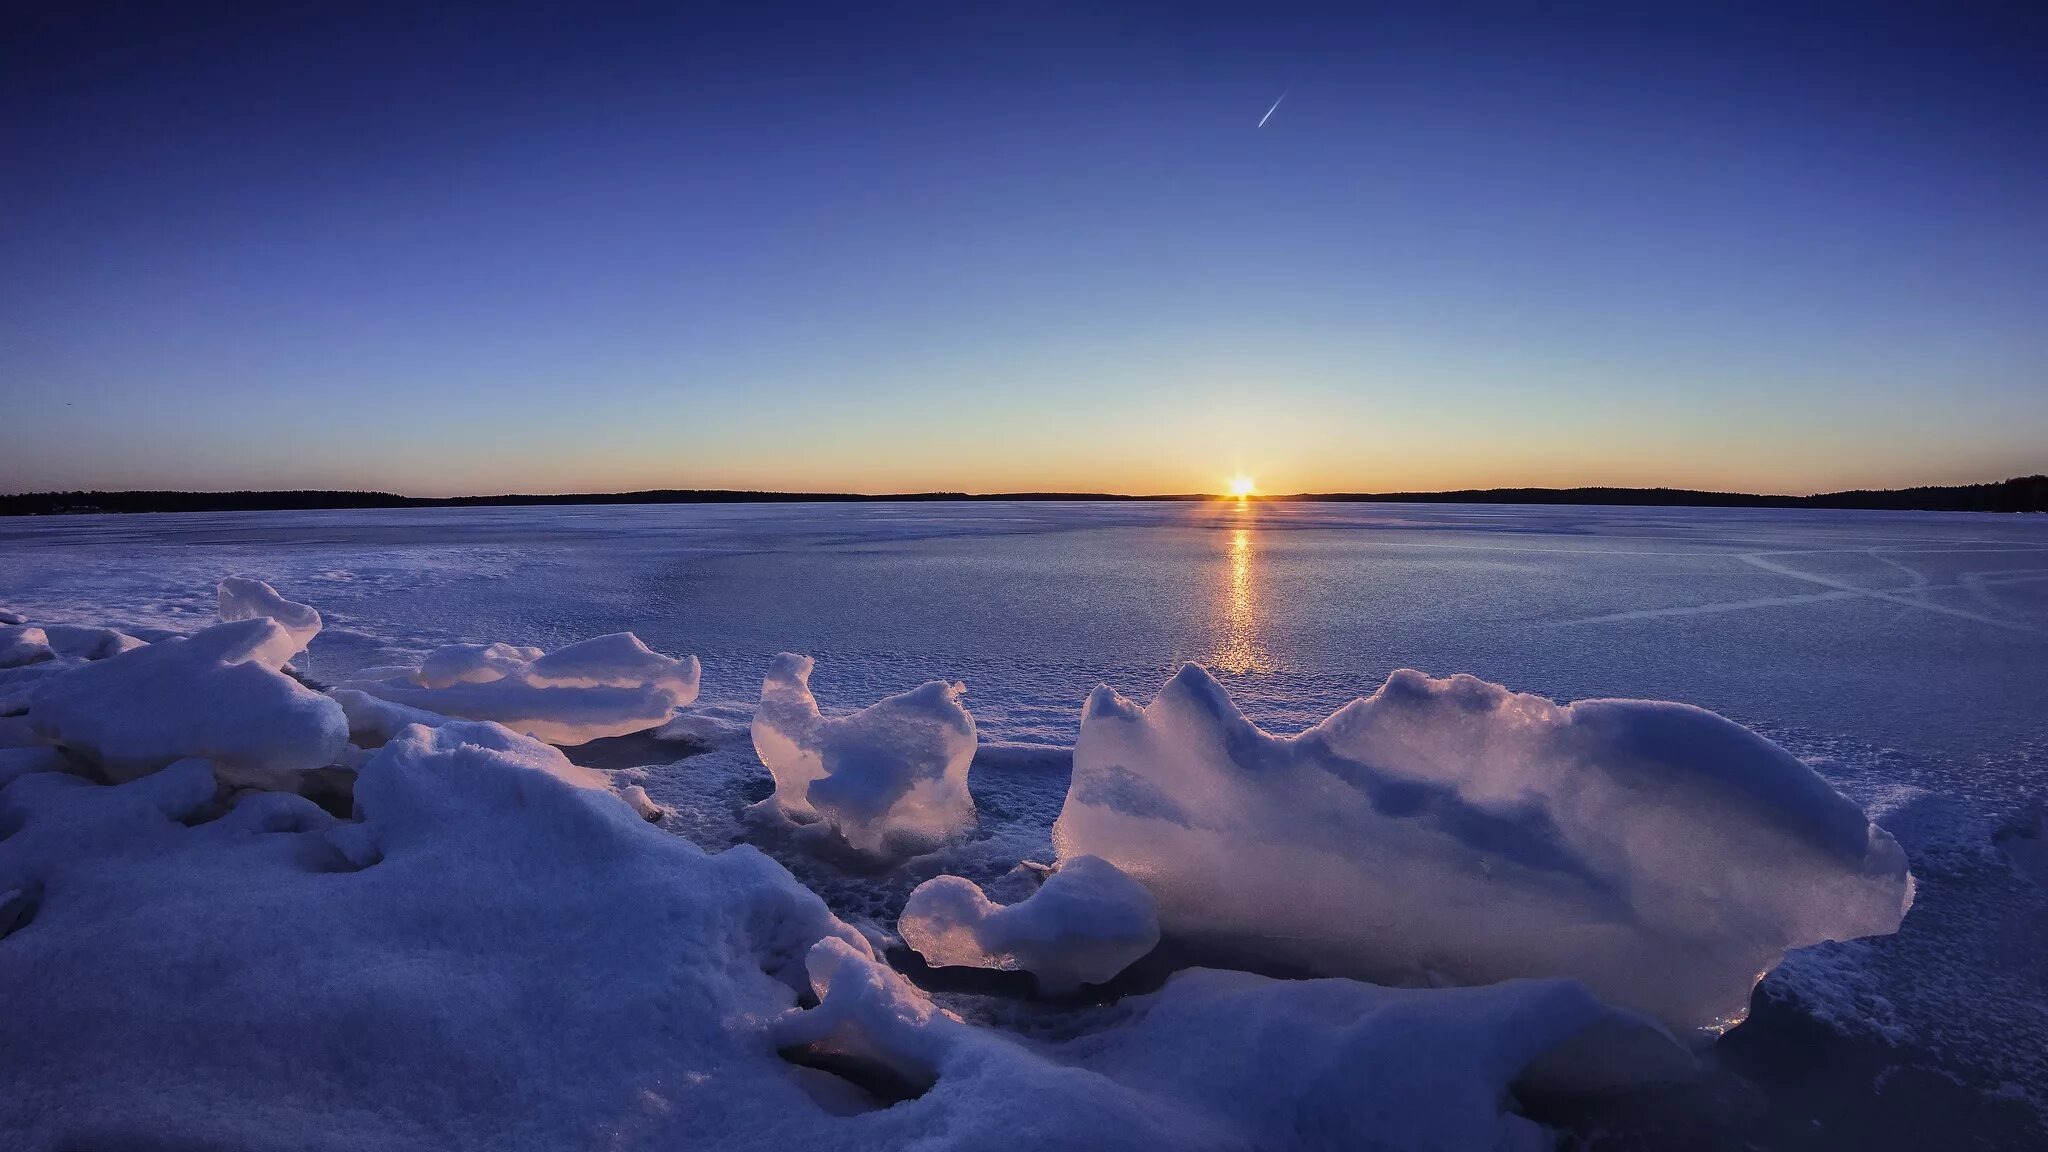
(2021, 494)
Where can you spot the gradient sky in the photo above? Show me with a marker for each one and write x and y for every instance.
(1021, 246)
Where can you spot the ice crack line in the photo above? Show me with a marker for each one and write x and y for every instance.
(1910, 596)
(1763, 561)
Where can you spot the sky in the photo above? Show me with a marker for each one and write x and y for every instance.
(445, 249)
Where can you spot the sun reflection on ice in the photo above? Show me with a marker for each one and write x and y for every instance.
(1239, 650)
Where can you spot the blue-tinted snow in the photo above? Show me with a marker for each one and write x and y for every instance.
(1905, 655)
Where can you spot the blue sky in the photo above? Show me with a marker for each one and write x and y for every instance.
(1033, 246)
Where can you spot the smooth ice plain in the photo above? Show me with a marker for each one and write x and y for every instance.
(1902, 657)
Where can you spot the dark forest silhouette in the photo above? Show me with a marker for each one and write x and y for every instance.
(2020, 494)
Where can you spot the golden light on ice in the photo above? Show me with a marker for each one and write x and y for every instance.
(1240, 486)
(1238, 647)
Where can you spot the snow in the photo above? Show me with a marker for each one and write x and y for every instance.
(216, 695)
(1086, 923)
(1454, 831)
(79, 642)
(24, 644)
(372, 721)
(891, 777)
(606, 686)
(491, 959)
(1213, 1060)
(1897, 654)
(245, 599)
(16, 762)
(496, 957)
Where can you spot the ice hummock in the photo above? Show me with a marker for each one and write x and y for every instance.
(1086, 923)
(1455, 831)
(891, 775)
(606, 686)
(217, 695)
(244, 599)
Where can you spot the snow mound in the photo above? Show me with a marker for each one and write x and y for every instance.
(513, 748)
(890, 776)
(22, 644)
(607, 686)
(245, 599)
(215, 695)
(1086, 923)
(1454, 831)
(1215, 1060)
(489, 960)
(78, 642)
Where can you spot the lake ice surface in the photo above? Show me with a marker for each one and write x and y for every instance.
(1905, 655)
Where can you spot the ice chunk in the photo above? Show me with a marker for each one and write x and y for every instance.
(488, 960)
(215, 695)
(607, 686)
(474, 663)
(567, 716)
(619, 660)
(24, 644)
(712, 726)
(637, 799)
(11, 617)
(891, 775)
(868, 1014)
(1085, 924)
(245, 599)
(372, 721)
(1452, 830)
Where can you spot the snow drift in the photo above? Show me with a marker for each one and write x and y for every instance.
(1454, 831)
(891, 775)
(606, 686)
(1215, 1060)
(1086, 923)
(490, 959)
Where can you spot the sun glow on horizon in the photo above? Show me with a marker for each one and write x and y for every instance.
(1241, 486)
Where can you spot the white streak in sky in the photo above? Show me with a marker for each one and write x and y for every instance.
(1274, 108)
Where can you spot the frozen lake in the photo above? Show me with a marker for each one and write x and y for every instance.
(1905, 655)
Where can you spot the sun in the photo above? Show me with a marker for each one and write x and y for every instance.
(1241, 486)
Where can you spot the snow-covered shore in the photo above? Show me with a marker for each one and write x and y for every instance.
(237, 911)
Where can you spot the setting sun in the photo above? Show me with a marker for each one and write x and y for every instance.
(1240, 486)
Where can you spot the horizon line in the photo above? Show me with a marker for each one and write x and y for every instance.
(2019, 493)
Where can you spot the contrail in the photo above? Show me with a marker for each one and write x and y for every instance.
(1275, 107)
